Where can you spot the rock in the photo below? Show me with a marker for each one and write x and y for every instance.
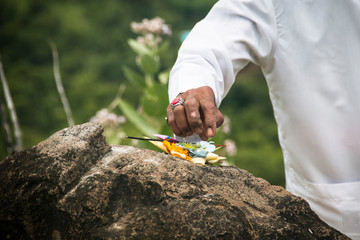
(75, 186)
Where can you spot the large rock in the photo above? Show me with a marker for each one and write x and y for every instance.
(75, 186)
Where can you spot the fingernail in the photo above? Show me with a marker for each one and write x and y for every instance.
(198, 130)
(210, 132)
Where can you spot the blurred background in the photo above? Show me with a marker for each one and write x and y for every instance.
(117, 75)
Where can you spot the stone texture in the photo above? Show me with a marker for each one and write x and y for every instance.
(75, 186)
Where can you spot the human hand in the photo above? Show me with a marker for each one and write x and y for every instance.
(198, 114)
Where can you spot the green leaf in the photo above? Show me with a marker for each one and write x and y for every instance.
(139, 48)
(164, 77)
(163, 47)
(134, 78)
(149, 64)
(155, 101)
(135, 118)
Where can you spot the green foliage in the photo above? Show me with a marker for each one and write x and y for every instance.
(96, 57)
(134, 78)
(149, 64)
(139, 121)
(91, 37)
(139, 48)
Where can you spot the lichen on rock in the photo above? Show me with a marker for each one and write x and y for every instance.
(74, 185)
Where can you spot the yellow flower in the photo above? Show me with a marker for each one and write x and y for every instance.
(176, 150)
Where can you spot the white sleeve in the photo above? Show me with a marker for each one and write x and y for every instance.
(218, 47)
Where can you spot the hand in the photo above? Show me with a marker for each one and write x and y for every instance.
(198, 114)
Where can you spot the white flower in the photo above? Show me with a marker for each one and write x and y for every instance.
(107, 118)
(207, 146)
(141, 40)
(136, 27)
(121, 135)
(226, 125)
(166, 30)
(150, 31)
(230, 147)
(155, 26)
(121, 119)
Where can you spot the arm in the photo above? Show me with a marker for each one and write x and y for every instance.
(234, 33)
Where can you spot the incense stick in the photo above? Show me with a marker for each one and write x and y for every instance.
(160, 140)
(150, 139)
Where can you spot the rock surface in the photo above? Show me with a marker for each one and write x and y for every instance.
(75, 186)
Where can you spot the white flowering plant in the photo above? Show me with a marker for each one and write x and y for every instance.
(149, 117)
(149, 78)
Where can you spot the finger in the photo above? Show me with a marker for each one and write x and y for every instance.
(172, 122)
(193, 115)
(219, 122)
(203, 136)
(181, 120)
(209, 111)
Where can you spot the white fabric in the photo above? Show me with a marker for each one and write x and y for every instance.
(309, 52)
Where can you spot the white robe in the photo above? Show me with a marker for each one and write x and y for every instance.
(309, 53)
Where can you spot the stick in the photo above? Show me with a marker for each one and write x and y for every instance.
(11, 108)
(6, 126)
(150, 139)
(169, 140)
(59, 85)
